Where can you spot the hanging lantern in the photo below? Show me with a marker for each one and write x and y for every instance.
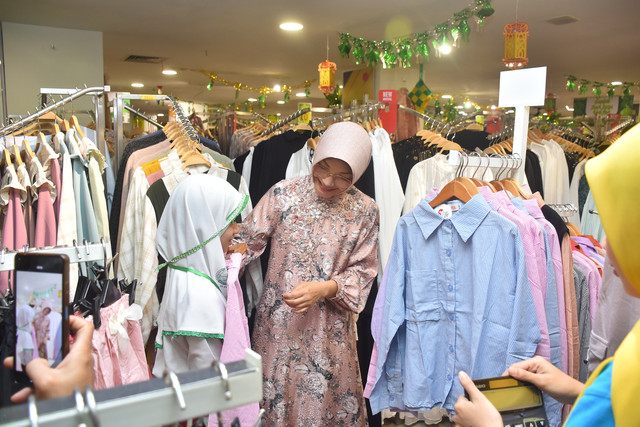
(327, 71)
(515, 45)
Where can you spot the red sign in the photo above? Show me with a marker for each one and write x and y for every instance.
(389, 115)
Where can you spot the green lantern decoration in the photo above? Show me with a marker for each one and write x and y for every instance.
(571, 83)
(582, 87)
(422, 48)
(358, 51)
(287, 96)
(345, 45)
(373, 56)
(262, 99)
(611, 90)
(210, 84)
(405, 53)
(486, 10)
(436, 105)
(597, 89)
(307, 92)
(463, 25)
(627, 90)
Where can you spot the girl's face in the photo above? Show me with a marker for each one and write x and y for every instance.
(331, 177)
(228, 235)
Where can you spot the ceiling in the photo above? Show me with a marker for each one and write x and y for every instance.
(240, 41)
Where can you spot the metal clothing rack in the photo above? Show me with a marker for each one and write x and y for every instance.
(183, 121)
(437, 124)
(565, 210)
(285, 121)
(85, 252)
(349, 113)
(31, 117)
(503, 162)
(159, 401)
(143, 117)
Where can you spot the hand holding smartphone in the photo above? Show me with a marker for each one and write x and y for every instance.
(41, 311)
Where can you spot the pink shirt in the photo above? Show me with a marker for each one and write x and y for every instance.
(500, 202)
(14, 231)
(556, 256)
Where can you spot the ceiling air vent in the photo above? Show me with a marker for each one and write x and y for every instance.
(562, 20)
(145, 59)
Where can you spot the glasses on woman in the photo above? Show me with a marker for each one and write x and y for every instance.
(340, 181)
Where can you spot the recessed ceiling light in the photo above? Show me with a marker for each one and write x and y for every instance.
(276, 88)
(445, 96)
(301, 94)
(291, 26)
(280, 102)
(279, 114)
(169, 72)
(616, 83)
(445, 49)
(137, 85)
(160, 114)
(252, 100)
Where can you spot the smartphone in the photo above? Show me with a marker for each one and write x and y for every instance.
(41, 288)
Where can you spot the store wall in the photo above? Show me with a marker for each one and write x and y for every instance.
(46, 57)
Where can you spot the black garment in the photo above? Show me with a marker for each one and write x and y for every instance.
(572, 161)
(365, 348)
(7, 344)
(238, 162)
(407, 153)
(472, 139)
(533, 171)
(556, 220)
(583, 193)
(136, 144)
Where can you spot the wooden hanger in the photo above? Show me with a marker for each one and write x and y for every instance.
(312, 143)
(65, 125)
(456, 189)
(194, 158)
(76, 125)
(17, 158)
(26, 146)
(573, 229)
(6, 158)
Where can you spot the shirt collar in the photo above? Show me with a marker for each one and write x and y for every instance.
(466, 221)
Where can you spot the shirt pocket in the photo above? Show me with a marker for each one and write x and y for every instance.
(598, 349)
(423, 296)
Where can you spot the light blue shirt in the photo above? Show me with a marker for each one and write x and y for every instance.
(457, 298)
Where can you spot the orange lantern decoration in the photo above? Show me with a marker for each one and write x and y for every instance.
(515, 45)
(327, 71)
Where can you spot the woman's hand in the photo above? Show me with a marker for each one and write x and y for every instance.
(541, 373)
(478, 411)
(305, 294)
(75, 370)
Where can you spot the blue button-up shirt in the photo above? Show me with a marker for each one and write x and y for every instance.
(457, 298)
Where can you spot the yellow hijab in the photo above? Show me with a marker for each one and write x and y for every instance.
(614, 178)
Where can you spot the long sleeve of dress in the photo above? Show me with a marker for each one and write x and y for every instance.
(354, 282)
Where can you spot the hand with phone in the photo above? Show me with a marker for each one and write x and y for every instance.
(477, 410)
(75, 370)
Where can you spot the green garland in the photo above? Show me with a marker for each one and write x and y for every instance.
(400, 52)
(596, 87)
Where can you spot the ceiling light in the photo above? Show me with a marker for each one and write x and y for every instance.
(493, 107)
(340, 86)
(616, 83)
(137, 85)
(279, 114)
(160, 114)
(252, 100)
(280, 102)
(291, 26)
(276, 88)
(169, 72)
(467, 104)
(301, 94)
(569, 108)
(445, 49)
(445, 96)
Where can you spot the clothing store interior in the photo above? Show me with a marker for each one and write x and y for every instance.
(178, 154)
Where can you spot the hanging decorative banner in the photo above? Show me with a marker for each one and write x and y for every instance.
(596, 87)
(399, 52)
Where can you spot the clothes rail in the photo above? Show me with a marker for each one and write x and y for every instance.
(159, 401)
(24, 121)
(284, 121)
(85, 252)
(565, 210)
(618, 127)
(366, 110)
(183, 121)
(434, 122)
(503, 162)
(143, 117)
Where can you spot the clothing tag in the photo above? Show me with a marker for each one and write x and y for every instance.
(454, 205)
(444, 211)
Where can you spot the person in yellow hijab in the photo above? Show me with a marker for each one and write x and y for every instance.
(611, 396)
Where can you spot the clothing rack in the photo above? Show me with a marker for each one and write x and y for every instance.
(503, 162)
(159, 401)
(506, 131)
(86, 252)
(563, 130)
(350, 113)
(565, 210)
(434, 122)
(286, 120)
(26, 120)
(183, 121)
(618, 127)
(142, 116)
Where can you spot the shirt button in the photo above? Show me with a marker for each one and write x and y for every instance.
(448, 252)
(449, 377)
(451, 348)
(451, 316)
(450, 287)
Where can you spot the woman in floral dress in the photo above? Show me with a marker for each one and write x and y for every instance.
(323, 260)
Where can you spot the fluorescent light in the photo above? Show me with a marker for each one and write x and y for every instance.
(137, 85)
(160, 114)
(169, 72)
(301, 94)
(280, 102)
(460, 107)
(569, 108)
(616, 83)
(276, 88)
(291, 26)
(445, 96)
(467, 104)
(252, 100)
(493, 107)
(279, 114)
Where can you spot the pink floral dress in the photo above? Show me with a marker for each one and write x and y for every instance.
(311, 370)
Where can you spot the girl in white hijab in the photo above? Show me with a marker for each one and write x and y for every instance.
(194, 234)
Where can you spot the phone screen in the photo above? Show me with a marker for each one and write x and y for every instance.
(41, 291)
